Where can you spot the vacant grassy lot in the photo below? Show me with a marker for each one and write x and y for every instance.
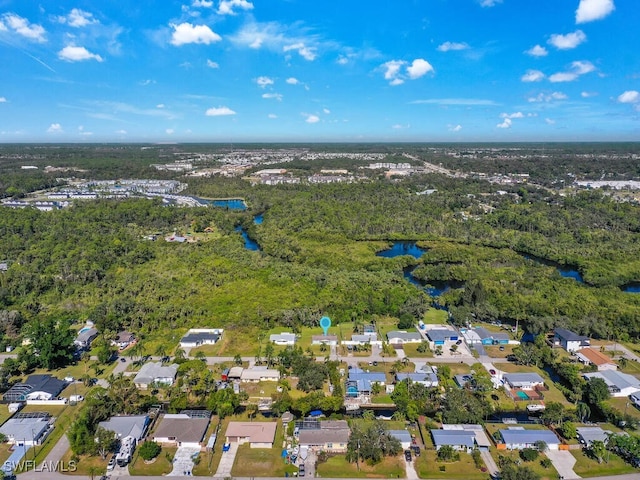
(86, 464)
(338, 467)
(428, 466)
(588, 467)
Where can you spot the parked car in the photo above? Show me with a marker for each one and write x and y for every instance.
(502, 348)
(407, 455)
(459, 342)
(492, 371)
(416, 450)
(226, 447)
(123, 360)
(112, 463)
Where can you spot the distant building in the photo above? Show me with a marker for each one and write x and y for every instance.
(85, 337)
(35, 387)
(428, 379)
(331, 340)
(124, 339)
(197, 337)
(400, 336)
(403, 436)
(461, 437)
(284, 338)
(619, 384)
(569, 340)
(588, 435)
(517, 438)
(259, 374)
(601, 361)
(127, 426)
(27, 429)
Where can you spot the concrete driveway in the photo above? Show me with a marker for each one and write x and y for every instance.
(226, 462)
(183, 461)
(563, 462)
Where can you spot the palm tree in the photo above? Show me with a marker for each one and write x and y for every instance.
(179, 354)
(583, 411)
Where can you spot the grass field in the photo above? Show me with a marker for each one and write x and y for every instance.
(545, 473)
(428, 466)
(588, 467)
(338, 467)
(159, 466)
(86, 464)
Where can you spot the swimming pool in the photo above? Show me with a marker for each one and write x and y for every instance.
(84, 329)
(522, 395)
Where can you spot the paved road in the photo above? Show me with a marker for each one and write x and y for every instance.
(59, 476)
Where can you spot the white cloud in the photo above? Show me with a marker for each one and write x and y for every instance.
(447, 46)
(533, 76)
(308, 53)
(78, 18)
(392, 68)
(186, 33)
(512, 115)
(630, 96)
(219, 111)
(21, 26)
(577, 68)
(55, 128)
(537, 51)
(160, 105)
(547, 97)
(455, 101)
(3, 100)
(311, 118)
(418, 68)
(568, 41)
(399, 126)
(121, 132)
(455, 128)
(292, 81)
(272, 115)
(71, 53)
(264, 81)
(588, 94)
(342, 60)
(489, 3)
(563, 77)
(226, 7)
(326, 111)
(169, 131)
(202, 4)
(276, 96)
(144, 83)
(505, 124)
(590, 10)
(549, 121)
(212, 64)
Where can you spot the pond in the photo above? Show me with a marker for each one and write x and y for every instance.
(228, 203)
(249, 243)
(633, 287)
(434, 288)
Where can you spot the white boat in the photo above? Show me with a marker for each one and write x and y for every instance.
(535, 407)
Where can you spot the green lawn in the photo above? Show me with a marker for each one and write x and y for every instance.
(411, 350)
(613, 465)
(624, 405)
(545, 473)
(435, 316)
(428, 466)
(553, 395)
(86, 464)
(159, 466)
(337, 466)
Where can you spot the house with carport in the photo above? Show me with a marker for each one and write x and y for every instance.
(284, 338)
(461, 437)
(517, 438)
(257, 434)
(399, 337)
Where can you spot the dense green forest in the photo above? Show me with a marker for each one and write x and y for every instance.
(318, 252)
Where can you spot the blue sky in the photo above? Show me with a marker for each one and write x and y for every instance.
(331, 70)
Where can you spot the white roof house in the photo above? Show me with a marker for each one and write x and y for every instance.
(259, 374)
(127, 425)
(155, 373)
(588, 435)
(27, 428)
(525, 381)
(284, 338)
(401, 336)
(620, 384)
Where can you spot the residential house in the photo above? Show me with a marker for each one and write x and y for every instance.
(27, 429)
(396, 337)
(328, 435)
(284, 338)
(491, 338)
(182, 429)
(196, 337)
(331, 340)
(123, 340)
(569, 340)
(155, 373)
(85, 337)
(517, 438)
(259, 374)
(461, 437)
(35, 387)
(360, 382)
(588, 435)
(127, 426)
(403, 436)
(620, 384)
(601, 361)
(428, 379)
(524, 381)
(257, 434)
(441, 335)
(234, 373)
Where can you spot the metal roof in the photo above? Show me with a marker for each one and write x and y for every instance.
(453, 437)
(521, 436)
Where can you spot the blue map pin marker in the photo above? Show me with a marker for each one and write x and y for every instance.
(325, 323)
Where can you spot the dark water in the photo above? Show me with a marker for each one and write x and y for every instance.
(563, 270)
(249, 244)
(631, 287)
(258, 219)
(434, 288)
(230, 203)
